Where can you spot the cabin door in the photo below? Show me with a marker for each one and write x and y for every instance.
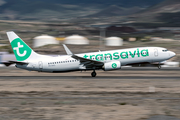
(156, 52)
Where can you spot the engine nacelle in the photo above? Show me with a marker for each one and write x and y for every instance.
(112, 65)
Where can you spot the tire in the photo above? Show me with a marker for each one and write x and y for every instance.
(159, 66)
(93, 74)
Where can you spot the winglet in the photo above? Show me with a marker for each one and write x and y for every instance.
(67, 50)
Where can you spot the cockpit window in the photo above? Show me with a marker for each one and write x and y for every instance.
(165, 50)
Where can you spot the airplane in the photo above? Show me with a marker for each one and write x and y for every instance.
(27, 59)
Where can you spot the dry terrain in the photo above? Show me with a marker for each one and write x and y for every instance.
(127, 94)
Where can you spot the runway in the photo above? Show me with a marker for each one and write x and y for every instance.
(122, 68)
(92, 98)
(84, 77)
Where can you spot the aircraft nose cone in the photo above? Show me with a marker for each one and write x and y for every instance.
(172, 54)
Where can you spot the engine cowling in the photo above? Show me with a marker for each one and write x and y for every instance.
(112, 65)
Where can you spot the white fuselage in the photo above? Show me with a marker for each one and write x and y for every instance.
(125, 56)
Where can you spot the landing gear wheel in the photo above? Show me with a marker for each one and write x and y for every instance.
(93, 74)
(159, 66)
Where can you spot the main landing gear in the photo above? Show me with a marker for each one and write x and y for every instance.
(93, 74)
(159, 66)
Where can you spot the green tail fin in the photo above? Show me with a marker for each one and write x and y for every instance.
(21, 50)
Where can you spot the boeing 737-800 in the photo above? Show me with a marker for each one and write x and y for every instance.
(104, 60)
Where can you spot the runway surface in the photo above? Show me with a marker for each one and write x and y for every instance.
(85, 77)
(93, 98)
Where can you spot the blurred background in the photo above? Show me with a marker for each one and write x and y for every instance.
(93, 25)
(88, 26)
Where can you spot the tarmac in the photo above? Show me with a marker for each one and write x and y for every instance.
(86, 77)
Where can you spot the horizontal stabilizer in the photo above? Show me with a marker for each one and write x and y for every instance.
(17, 62)
(8, 63)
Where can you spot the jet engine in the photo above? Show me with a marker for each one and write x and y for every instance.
(112, 65)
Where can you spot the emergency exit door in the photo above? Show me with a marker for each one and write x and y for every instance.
(40, 65)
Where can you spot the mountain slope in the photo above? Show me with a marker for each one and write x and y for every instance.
(23, 6)
(165, 7)
(41, 9)
(110, 11)
(166, 13)
(114, 10)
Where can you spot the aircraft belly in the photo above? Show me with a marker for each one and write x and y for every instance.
(45, 68)
(26, 67)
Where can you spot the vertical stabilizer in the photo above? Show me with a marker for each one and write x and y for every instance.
(21, 50)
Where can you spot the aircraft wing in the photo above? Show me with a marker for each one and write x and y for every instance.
(88, 62)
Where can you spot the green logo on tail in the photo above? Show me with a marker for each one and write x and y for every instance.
(21, 50)
(114, 65)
